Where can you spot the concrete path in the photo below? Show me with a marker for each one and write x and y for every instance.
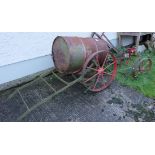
(115, 104)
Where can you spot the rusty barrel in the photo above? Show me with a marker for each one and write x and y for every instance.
(70, 53)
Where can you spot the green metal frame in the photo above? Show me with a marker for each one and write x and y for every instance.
(56, 92)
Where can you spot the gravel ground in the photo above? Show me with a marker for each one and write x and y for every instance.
(115, 104)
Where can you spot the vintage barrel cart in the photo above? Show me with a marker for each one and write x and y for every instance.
(88, 60)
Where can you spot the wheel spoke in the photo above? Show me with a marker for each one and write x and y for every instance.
(96, 81)
(108, 73)
(108, 66)
(102, 76)
(103, 79)
(104, 60)
(146, 65)
(92, 68)
(95, 63)
(97, 60)
(91, 77)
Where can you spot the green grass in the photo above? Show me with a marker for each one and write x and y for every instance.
(144, 83)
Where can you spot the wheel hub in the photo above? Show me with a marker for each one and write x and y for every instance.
(100, 70)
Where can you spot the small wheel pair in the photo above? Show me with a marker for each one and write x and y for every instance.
(145, 65)
(142, 65)
(99, 70)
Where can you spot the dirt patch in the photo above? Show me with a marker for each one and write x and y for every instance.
(115, 100)
(142, 112)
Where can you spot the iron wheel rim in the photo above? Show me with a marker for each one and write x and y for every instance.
(102, 76)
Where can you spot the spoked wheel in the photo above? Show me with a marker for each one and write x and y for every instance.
(145, 65)
(99, 71)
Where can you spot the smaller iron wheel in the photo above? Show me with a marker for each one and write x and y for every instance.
(145, 65)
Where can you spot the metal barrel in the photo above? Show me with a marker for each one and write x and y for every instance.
(70, 53)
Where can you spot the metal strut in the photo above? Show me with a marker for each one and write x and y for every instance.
(105, 38)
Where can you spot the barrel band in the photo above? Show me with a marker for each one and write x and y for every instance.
(85, 51)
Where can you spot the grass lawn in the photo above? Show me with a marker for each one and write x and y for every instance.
(144, 83)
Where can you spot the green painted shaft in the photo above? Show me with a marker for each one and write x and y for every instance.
(48, 98)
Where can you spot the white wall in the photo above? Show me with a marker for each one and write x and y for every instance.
(24, 68)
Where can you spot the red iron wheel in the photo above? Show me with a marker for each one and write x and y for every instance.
(99, 71)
